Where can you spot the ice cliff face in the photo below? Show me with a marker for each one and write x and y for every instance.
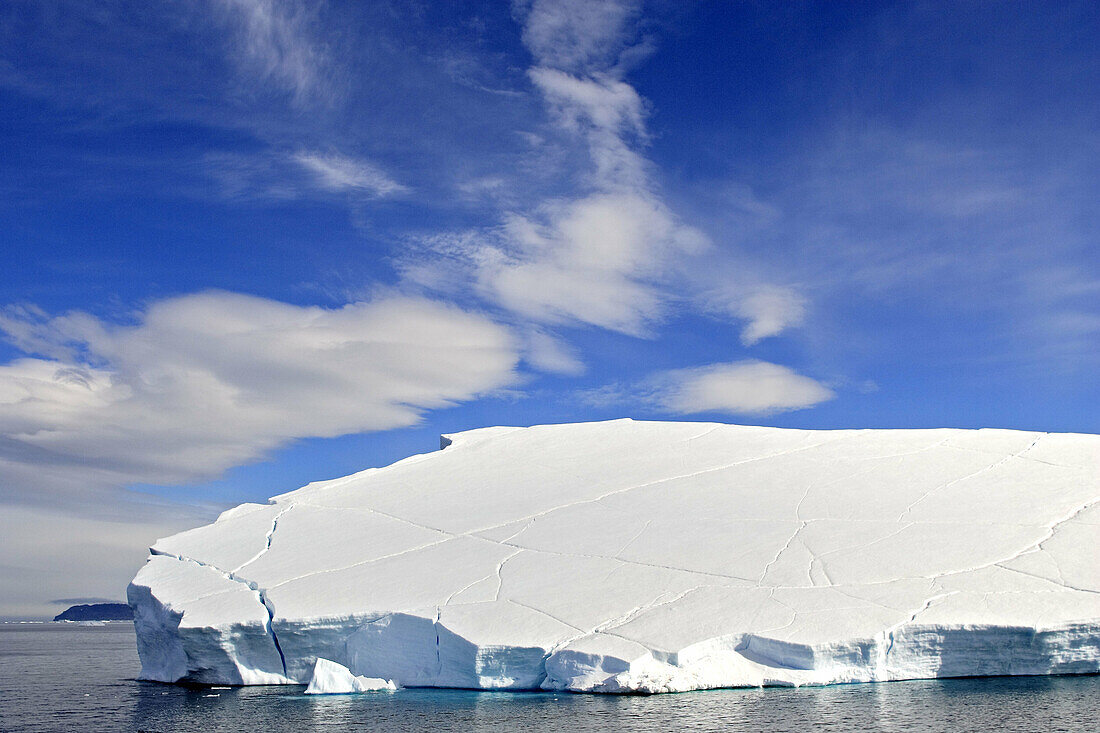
(639, 556)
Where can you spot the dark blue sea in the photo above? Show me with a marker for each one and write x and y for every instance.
(64, 677)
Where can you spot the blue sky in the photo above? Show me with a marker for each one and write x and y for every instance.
(247, 244)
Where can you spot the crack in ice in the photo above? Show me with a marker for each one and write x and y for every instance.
(261, 594)
(631, 541)
(267, 539)
(1060, 583)
(990, 467)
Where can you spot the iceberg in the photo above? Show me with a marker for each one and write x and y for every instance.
(330, 678)
(643, 557)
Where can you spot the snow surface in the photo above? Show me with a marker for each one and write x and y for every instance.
(330, 678)
(632, 556)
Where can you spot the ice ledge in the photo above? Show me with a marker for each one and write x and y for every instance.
(477, 435)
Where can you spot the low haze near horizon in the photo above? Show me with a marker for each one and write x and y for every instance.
(248, 244)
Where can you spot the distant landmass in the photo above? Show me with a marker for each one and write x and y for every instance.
(96, 612)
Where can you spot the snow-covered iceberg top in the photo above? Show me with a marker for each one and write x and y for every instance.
(643, 556)
(330, 678)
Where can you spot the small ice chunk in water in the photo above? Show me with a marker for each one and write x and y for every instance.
(330, 678)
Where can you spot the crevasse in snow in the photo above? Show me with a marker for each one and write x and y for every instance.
(630, 556)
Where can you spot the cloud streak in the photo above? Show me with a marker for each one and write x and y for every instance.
(337, 172)
(748, 387)
(599, 258)
(209, 381)
(281, 176)
(277, 44)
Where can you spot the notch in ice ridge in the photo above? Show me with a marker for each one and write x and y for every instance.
(261, 595)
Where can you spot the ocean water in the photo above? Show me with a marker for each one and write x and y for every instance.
(63, 677)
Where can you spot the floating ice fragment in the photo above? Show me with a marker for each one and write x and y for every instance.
(330, 678)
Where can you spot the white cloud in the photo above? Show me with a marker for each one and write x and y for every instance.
(576, 34)
(602, 257)
(743, 387)
(594, 260)
(277, 44)
(209, 381)
(340, 173)
(607, 114)
(602, 101)
(597, 259)
(549, 354)
(768, 309)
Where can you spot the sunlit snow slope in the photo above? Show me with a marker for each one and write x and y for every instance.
(642, 556)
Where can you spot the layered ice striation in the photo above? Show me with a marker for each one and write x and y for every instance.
(632, 556)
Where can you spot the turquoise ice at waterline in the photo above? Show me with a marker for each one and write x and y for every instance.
(57, 677)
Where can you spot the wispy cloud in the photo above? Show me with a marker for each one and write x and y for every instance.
(281, 176)
(768, 310)
(549, 354)
(75, 601)
(278, 43)
(597, 258)
(342, 173)
(577, 35)
(598, 103)
(974, 233)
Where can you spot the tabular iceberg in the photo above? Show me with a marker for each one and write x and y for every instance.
(630, 556)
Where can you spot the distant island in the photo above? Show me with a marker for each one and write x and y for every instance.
(96, 612)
